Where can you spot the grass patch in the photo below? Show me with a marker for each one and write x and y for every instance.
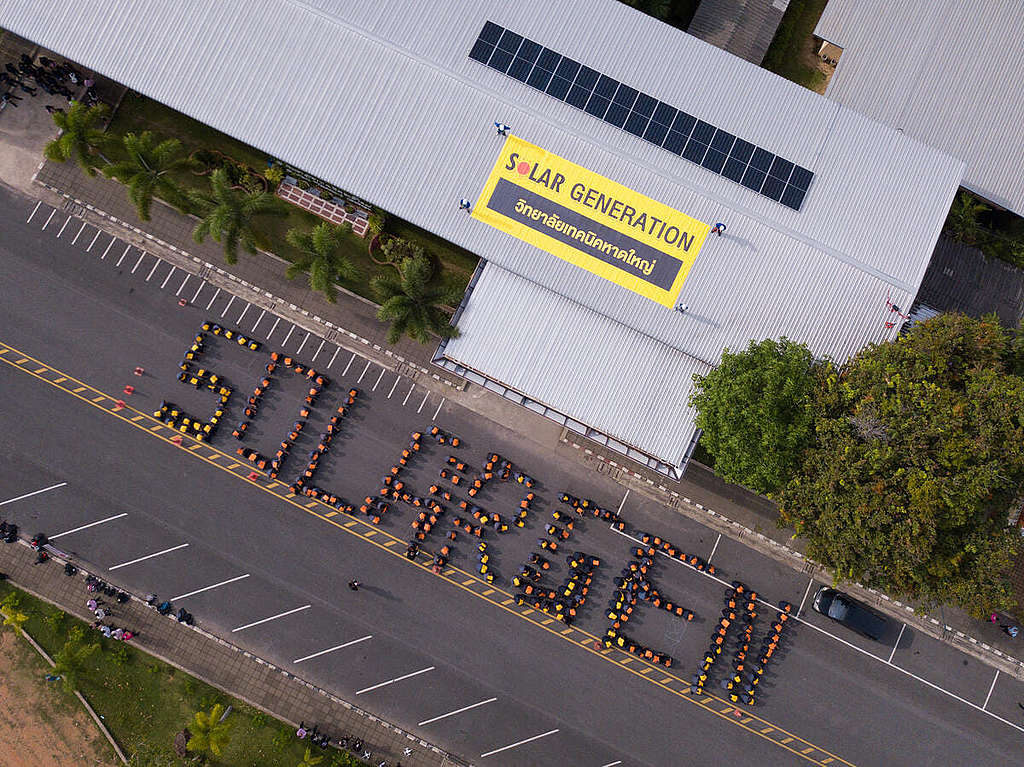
(792, 49)
(138, 113)
(144, 702)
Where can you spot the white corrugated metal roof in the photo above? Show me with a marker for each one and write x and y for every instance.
(945, 72)
(382, 99)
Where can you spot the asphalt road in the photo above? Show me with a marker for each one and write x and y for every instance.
(437, 655)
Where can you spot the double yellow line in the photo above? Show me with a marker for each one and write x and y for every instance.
(385, 541)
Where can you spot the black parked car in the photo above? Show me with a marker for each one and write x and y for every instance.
(844, 609)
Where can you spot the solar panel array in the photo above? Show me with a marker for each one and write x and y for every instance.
(642, 115)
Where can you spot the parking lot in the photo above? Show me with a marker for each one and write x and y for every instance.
(452, 656)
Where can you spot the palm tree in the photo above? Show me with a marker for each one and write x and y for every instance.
(80, 138)
(148, 171)
(69, 662)
(321, 256)
(14, 619)
(412, 301)
(228, 214)
(309, 760)
(209, 733)
(962, 223)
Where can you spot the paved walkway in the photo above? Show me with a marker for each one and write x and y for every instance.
(226, 666)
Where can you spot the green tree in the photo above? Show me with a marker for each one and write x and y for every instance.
(229, 215)
(209, 734)
(149, 169)
(308, 760)
(14, 619)
(963, 223)
(70, 661)
(755, 411)
(918, 455)
(321, 256)
(659, 9)
(81, 139)
(413, 301)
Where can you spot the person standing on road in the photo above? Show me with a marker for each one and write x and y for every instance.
(354, 585)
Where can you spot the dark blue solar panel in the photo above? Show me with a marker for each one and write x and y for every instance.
(529, 50)
(491, 33)
(761, 159)
(539, 78)
(510, 41)
(559, 87)
(801, 178)
(500, 60)
(636, 123)
(548, 59)
(567, 68)
(587, 78)
(675, 142)
(577, 97)
(642, 115)
(714, 160)
(520, 69)
(616, 115)
(655, 133)
(597, 106)
(606, 87)
(481, 51)
(626, 95)
(645, 104)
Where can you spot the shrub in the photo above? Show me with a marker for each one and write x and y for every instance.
(325, 195)
(206, 158)
(274, 174)
(283, 737)
(259, 719)
(376, 222)
(55, 620)
(302, 184)
(120, 655)
(350, 208)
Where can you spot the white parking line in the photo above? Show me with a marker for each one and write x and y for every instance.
(902, 629)
(213, 299)
(424, 402)
(612, 764)
(271, 618)
(247, 307)
(198, 291)
(456, 711)
(350, 361)
(364, 371)
(63, 227)
(47, 223)
(332, 649)
(396, 679)
(333, 356)
(438, 409)
(187, 278)
(407, 394)
(807, 591)
(990, 689)
(715, 547)
(842, 641)
(109, 244)
(30, 215)
(34, 492)
(273, 328)
(126, 249)
(302, 345)
(207, 588)
(148, 556)
(82, 229)
(258, 320)
(288, 336)
(91, 524)
(622, 502)
(519, 743)
(94, 238)
(168, 277)
(319, 349)
(227, 307)
(153, 270)
(394, 386)
(142, 255)
(379, 379)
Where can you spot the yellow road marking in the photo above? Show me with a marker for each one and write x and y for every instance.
(727, 709)
(191, 447)
(137, 418)
(274, 484)
(312, 505)
(233, 466)
(488, 592)
(567, 631)
(40, 370)
(766, 730)
(826, 761)
(370, 533)
(744, 721)
(527, 611)
(125, 413)
(627, 659)
(330, 514)
(23, 359)
(97, 399)
(666, 679)
(547, 621)
(60, 380)
(4, 351)
(213, 456)
(471, 580)
(388, 542)
(647, 670)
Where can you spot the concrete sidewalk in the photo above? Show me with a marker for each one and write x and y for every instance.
(225, 666)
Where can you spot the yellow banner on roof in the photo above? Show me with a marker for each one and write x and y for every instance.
(590, 221)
